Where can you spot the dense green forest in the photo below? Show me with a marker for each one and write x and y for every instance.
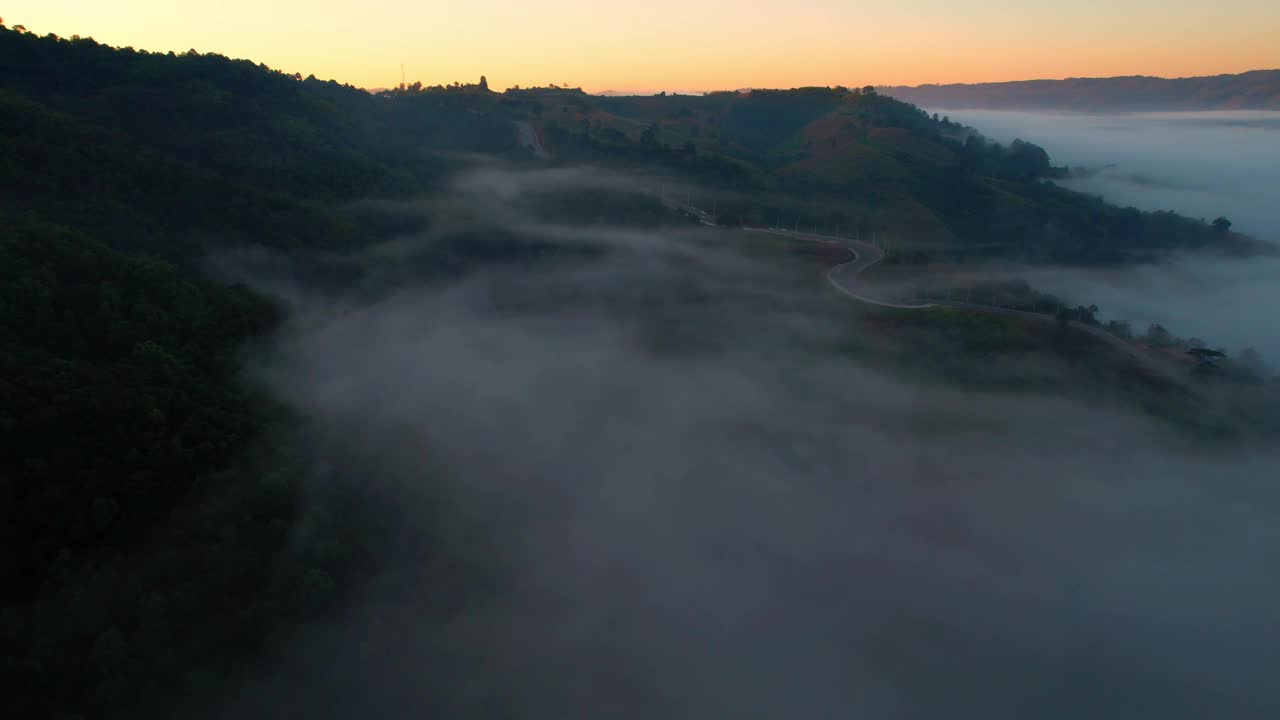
(124, 419)
(123, 413)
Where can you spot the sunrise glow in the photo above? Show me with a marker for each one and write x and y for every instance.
(687, 46)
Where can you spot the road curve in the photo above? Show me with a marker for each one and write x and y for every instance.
(530, 138)
(843, 278)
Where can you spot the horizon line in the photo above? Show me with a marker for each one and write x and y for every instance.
(694, 93)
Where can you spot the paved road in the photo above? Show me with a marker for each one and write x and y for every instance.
(844, 278)
(696, 213)
(528, 137)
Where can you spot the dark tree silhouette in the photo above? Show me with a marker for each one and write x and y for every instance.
(1157, 335)
(649, 137)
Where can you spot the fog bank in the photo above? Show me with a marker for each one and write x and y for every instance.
(1227, 303)
(695, 506)
(1202, 164)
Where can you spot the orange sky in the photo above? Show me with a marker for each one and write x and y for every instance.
(689, 45)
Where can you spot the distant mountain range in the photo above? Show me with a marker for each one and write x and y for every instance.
(631, 93)
(1254, 90)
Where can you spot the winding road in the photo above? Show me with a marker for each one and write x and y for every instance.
(843, 278)
(529, 137)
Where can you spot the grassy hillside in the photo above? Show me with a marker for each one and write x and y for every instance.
(856, 159)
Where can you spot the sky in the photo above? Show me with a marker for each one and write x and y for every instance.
(678, 45)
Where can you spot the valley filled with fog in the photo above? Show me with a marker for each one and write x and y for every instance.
(1202, 164)
(678, 484)
(451, 401)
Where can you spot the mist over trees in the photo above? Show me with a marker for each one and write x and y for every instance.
(320, 401)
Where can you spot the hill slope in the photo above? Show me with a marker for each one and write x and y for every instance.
(121, 409)
(867, 162)
(144, 530)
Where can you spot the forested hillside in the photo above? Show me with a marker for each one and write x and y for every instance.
(123, 415)
(146, 499)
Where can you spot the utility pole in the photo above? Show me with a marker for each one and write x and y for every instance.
(402, 85)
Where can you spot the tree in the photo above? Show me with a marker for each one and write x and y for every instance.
(484, 83)
(1157, 335)
(869, 90)
(1120, 329)
(649, 138)
(1222, 225)
(1027, 160)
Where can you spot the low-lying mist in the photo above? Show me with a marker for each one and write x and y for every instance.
(1202, 164)
(1227, 303)
(690, 503)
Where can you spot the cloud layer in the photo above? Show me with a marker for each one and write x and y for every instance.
(692, 504)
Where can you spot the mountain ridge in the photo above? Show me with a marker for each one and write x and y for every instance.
(1252, 90)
